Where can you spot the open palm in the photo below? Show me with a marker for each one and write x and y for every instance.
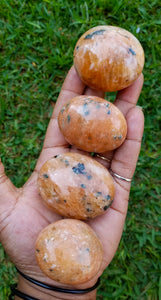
(22, 213)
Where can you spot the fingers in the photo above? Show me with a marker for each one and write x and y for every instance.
(54, 139)
(8, 195)
(125, 158)
(71, 88)
(123, 163)
(109, 227)
(125, 100)
(55, 142)
(90, 92)
(128, 97)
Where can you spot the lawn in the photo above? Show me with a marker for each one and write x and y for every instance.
(37, 39)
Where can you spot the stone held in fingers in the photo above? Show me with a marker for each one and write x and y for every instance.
(76, 186)
(68, 251)
(108, 58)
(92, 124)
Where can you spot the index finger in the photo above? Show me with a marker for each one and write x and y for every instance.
(128, 97)
(125, 157)
(71, 88)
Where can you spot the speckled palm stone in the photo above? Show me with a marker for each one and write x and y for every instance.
(108, 58)
(68, 251)
(92, 124)
(76, 186)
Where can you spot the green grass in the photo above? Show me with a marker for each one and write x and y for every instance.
(37, 39)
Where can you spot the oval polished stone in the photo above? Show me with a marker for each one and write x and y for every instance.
(76, 186)
(108, 58)
(68, 251)
(92, 124)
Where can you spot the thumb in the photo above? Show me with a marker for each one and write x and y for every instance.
(8, 197)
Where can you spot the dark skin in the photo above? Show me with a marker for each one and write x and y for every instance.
(23, 214)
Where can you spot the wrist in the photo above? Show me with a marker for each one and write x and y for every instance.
(41, 293)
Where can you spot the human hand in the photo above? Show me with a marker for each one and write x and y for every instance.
(23, 214)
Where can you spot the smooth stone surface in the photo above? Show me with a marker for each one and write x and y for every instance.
(68, 251)
(108, 58)
(76, 186)
(92, 124)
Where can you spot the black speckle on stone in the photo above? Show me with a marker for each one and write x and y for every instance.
(65, 201)
(79, 169)
(51, 270)
(105, 207)
(98, 194)
(97, 32)
(68, 118)
(77, 48)
(86, 113)
(37, 250)
(89, 209)
(85, 109)
(131, 51)
(83, 185)
(89, 177)
(66, 162)
(62, 110)
(85, 104)
(108, 197)
(87, 249)
(108, 112)
(45, 176)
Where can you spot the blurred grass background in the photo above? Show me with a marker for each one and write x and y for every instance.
(37, 39)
